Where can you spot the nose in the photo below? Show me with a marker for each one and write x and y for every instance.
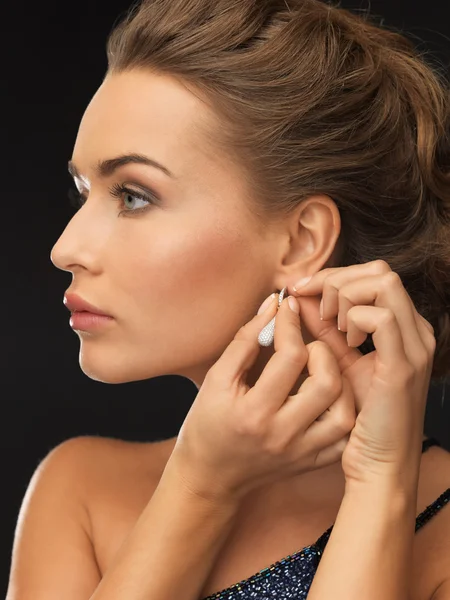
(79, 245)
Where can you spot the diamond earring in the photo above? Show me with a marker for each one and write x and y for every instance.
(266, 335)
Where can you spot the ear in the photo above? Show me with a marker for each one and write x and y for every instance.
(313, 231)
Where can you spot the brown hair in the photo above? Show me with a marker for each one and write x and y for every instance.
(311, 98)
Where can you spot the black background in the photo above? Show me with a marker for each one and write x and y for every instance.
(53, 61)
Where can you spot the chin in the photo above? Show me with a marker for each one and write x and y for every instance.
(104, 375)
(114, 371)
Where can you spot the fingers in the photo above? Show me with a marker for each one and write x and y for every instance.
(425, 329)
(336, 424)
(327, 332)
(322, 414)
(316, 284)
(384, 291)
(318, 394)
(385, 330)
(367, 284)
(331, 454)
(285, 366)
(381, 321)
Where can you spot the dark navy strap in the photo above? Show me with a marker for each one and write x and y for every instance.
(322, 541)
(424, 516)
(440, 502)
(432, 509)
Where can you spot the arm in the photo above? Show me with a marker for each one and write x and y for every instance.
(369, 552)
(173, 546)
(168, 554)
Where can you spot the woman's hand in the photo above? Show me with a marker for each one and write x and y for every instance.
(390, 385)
(236, 438)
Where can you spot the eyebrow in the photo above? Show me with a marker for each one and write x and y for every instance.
(105, 168)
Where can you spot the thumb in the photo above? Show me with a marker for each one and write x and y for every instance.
(243, 350)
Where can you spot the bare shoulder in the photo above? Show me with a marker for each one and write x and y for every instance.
(74, 489)
(118, 479)
(432, 550)
(51, 540)
(115, 454)
(108, 468)
(434, 477)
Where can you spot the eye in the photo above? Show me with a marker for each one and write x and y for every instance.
(120, 191)
(77, 198)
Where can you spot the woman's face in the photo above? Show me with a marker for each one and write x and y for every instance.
(179, 278)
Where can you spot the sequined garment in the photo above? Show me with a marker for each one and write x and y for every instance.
(291, 577)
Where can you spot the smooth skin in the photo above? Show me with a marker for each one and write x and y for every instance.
(199, 256)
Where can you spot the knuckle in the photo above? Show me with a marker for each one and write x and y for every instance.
(316, 346)
(387, 317)
(391, 279)
(344, 421)
(330, 384)
(427, 323)
(430, 327)
(431, 344)
(408, 373)
(381, 266)
(253, 425)
(350, 419)
(345, 410)
(276, 445)
(295, 354)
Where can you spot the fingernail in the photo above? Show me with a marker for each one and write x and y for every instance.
(301, 283)
(294, 304)
(267, 302)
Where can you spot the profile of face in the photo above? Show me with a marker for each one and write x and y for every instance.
(182, 270)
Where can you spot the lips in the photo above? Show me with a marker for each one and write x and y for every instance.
(75, 303)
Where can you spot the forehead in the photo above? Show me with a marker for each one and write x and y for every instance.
(143, 112)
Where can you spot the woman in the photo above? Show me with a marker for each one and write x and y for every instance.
(264, 142)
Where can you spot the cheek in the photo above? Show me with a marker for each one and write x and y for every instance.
(185, 286)
(188, 263)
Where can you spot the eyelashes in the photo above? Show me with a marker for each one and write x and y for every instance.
(77, 199)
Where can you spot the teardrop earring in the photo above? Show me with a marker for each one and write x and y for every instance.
(266, 335)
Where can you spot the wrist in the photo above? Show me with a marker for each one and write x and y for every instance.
(390, 491)
(394, 479)
(177, 474)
